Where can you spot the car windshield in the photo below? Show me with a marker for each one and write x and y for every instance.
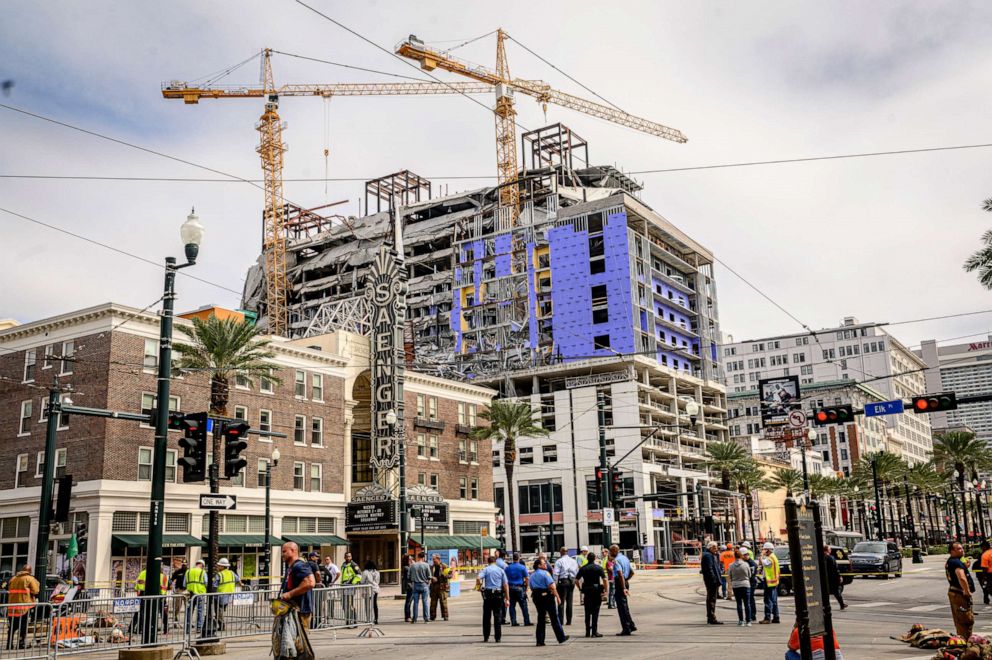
(878, 548)
(781, 553)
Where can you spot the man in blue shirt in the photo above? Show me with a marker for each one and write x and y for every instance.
(516, 578)
(499, 560)
(495, 596)
(297, 586)
(546, 601)
(622, 572)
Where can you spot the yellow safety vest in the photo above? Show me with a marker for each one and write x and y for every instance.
(349, 575)
(771, 571)
(139, 584)
(583, 560)
(196, 581)
(225, 583)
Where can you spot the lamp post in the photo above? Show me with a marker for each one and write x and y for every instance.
(964, 504)
(878, 497)
(273, 462)
(191, 233)
(810, 435)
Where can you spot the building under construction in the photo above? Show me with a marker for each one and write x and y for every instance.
(582, 290)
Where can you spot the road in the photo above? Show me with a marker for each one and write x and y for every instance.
(668, 607)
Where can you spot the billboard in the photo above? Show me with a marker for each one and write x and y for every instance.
(778, 397)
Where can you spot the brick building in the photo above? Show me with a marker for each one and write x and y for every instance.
(107, 355)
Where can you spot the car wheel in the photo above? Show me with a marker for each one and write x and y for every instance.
(885, 572)
(899, 570)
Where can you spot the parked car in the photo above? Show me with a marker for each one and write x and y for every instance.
(881, 558)
(785, 566)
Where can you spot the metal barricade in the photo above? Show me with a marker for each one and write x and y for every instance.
(342, 606)
(224, 616)
(102, 624)
(24, 630)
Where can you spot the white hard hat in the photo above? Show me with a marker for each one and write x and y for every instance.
(745, 551)
(585, 548)
(746, 544)
(224, 562)
(768, 545)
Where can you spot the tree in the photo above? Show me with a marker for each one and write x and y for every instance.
(725, 458)
(960, 451)
(787, 478)
(749, 477)
(981, 260)
(509, 421)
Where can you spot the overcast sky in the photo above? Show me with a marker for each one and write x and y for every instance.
(881, 239)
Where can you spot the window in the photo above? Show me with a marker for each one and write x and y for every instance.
(421, 479)
(434, 480)
(595, 223)
(550, 453)
(432, 407)
(148, 405)
(472, 410)
(145, 464)
(25, 427)
(301, 384)
(317, 431)
(49, 351)
(315, 477)
(432, 445)
(300, 429)
(473, 451)
(264, 420)
(63, 417)
(461, 414)
(265, 385)
(241, 381)
(462, 454)
(20, 470)
(421, 445)
(241, 412)
(68, 350)
(473, 489)
(262, 466)
(601, 342)
(60, 456)
(317, 387)
(601, 315)
(598, 294)
(496, 461)
(421, 405)
(526, 455)
(30, 358)
(597, 266)
(462, 487)
(298, 471)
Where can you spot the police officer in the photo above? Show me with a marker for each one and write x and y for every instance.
(546, 601)
(516, 578)
(495, 597)
(224, 582)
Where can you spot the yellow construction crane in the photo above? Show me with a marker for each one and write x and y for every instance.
(271, 147)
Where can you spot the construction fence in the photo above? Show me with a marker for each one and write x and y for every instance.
(91, 625)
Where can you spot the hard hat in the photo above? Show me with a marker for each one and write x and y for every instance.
(768, 545)
(745, 552)
(585, 548)
(223, 562)
(746, 544)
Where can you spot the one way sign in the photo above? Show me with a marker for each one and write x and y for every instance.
(218, 502)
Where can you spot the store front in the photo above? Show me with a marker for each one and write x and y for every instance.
(129, 557)
(246, 552)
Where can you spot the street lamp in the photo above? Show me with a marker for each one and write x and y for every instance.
(268, 515)
(811, 434)
(191, 234)
(958, 477)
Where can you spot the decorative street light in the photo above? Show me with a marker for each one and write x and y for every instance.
(191, 234)
(273, 462)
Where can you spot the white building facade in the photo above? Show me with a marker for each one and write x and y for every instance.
(965, 369)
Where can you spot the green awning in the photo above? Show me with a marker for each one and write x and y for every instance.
(245, 540)
(307, 540)
(168, 540)
(457, 542)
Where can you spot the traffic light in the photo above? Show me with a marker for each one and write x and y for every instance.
(833, 415)
(62, 503)
(81, 540)
(598, 486)
(929, 403)
(616, 486)
(234, 444)
(194, 444)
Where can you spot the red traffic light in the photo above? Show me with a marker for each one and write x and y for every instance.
(929, 403)
(821, 416)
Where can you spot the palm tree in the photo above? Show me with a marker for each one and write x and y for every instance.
(508, 422)
(749, 477)
(725, 457)
(787, 478)
(981, 260)
(962, 451)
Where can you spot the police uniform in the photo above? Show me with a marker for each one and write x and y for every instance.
(544, 603)
(492, 581)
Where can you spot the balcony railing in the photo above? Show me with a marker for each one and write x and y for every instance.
(426, 423)
(462, 429)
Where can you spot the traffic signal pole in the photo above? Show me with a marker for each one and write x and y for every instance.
(47, 485)
(604, 494)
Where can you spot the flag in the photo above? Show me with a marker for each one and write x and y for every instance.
(73, 548)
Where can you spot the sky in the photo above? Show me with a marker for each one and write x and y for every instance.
(881, 239)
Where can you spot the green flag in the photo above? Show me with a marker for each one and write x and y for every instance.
(73, 548)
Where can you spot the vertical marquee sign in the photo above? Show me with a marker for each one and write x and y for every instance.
(386, 294)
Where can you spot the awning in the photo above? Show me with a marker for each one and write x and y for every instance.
(306, 540)
(245, 540)
(457, 542)
(168, 540)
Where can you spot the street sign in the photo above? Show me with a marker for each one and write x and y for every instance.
(484, 531)
(797, 419)
(609, 516)
(884, 408)
(218, 502)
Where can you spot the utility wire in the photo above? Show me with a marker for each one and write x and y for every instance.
(350, 66)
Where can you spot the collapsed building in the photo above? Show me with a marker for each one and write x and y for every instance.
(585, 290)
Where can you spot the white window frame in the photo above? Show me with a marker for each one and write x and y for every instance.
(462, 418)
(316, 431)
(261, 472)
(462, 451)
(264, 426)
(241, 382)
(63, 417)
(25, 419)
(319, 477)
(39, 466)
(241, 412)
(473, 452)
(153, 367)
(68, 351)
(433, 480)
(317, 387)
(300, 429)
(30, 363)
(463, 488)
(265, 385)
(49, 352)
(177, 401)
(422, 445)
(473, 489)
(300, 379)
(302, 468)
(20, 467)
(432, 407)
(421, 406)
(434, 447)
(473, 410)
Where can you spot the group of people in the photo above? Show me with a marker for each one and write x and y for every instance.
(735, 570)
(504, 587)
(422, 580)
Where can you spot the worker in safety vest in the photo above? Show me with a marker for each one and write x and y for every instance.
(139, 587)
(22, 592)
(196, 584)
(224, 583)
(726, 559)
(769, 563)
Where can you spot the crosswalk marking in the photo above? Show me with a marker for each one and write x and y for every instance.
(926, 608)
(876, 604)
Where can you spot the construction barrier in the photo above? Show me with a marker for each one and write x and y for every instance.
(24, 630)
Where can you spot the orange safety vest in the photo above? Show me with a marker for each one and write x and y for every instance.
(19, 610)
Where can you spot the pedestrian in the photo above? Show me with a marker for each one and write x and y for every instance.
(772, 573)
(622, 574)
(739, 576)
(177, 582)
(960, 587)
(22, 593)
(196, 585)
(420, 577)
(726, 559)
(297, 591)
(439, 587)
(329, 571)
(565, 571)
(517, 580)
(835, 581)
(148, 610)
(816, 643)
(351, 575)
(593, 585)
(495, 597)
(407, 586)
(607, 563)
(583, 556)
(370, 576)
(746, 554)
(546, 600)
(224, 582)
(985, 576)
(500, 561)
(709, 566)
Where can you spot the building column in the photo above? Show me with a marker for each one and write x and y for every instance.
(98, 547)
(349, 422)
